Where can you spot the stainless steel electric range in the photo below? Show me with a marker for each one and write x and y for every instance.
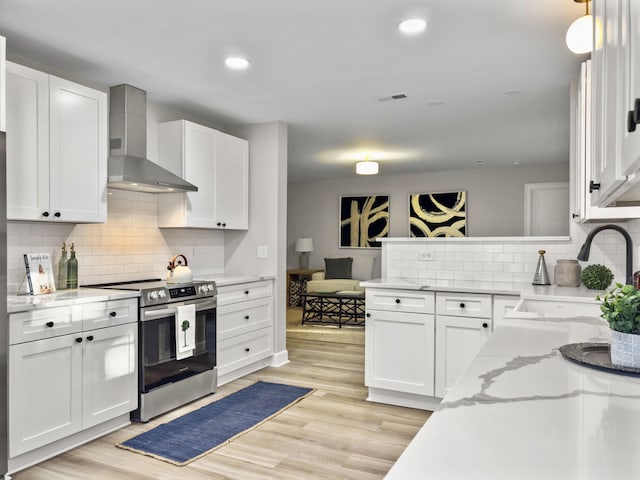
(164, 381)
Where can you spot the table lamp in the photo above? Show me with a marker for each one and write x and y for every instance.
(303, 247)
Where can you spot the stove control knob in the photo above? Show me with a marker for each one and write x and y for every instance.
(153, 295)
(162, 293)
(210, 287)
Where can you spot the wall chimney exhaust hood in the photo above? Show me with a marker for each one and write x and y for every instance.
(128, 168)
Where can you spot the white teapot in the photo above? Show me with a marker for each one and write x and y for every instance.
(179, 273)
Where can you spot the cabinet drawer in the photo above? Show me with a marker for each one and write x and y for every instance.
(464, 305)
(399, 300)
(236, 352)
(244, 291)
(244, 317)
(109, 314)
(45, 323)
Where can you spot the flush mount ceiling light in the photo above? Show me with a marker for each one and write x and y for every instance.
(412, 26)
(367, 167)
(236, 63)
(580, 33)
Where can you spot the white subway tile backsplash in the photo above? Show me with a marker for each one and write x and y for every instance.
(129, 244)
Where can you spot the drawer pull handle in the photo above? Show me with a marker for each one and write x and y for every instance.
(90, 337)
(246, 317)
(368, 315)
(462, 305)
(79, 340)
(485, 325)
(247, 349)
(397, 300)
(57, 214)
(49, 324)
(45, 214)
(113, 314)
(246, 292)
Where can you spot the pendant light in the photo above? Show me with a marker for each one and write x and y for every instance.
(580, 33)
(367, 167)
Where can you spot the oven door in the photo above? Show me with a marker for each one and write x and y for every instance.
(158, 364)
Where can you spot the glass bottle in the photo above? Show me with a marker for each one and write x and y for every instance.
(61, 281)
(72, 269)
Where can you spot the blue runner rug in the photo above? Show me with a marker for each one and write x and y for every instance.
(197, 433)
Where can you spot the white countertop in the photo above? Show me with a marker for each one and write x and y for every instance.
(23, 303)
(467, 286)
(223, 280)
(522, 411)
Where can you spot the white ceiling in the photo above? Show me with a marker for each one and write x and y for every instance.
(319, 65)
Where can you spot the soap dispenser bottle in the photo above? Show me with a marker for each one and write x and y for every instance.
(62, 268)
(72, 269)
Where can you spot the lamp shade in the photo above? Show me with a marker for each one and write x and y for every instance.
(580, 35)
(304, 245)
(367, 168)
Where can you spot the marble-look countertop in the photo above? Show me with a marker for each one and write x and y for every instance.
(467, 286)
(61, 298)
(523, 411)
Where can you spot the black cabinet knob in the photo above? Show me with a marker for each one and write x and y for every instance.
(247, 349)
(368, 315)
(224, 224)
(485, 325)
(49, 324)
(636, 110)
(574, 215)
(219, 224)
(113, 314)
(397, 300)
(45, 214)
(462, 305)
(90, 337)
(79, 340)
(246, 292)
(57, 214)
(246, 317)
(593, 186)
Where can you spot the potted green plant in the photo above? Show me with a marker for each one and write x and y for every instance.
(620, 307)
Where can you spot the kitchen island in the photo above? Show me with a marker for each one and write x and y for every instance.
(521, 410)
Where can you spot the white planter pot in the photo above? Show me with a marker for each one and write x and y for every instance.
(625, 349)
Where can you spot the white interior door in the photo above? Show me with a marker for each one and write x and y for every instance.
(546, 209)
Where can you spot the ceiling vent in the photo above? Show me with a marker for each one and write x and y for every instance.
(388, 98)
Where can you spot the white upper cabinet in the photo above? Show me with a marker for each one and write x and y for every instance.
(56, 148)
(616, 105)
(217, 163)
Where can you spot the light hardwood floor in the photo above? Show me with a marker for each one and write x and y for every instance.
(333, 434)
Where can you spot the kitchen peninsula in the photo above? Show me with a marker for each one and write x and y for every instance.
(521, 410)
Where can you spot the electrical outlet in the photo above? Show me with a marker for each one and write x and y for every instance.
(425, 256)
(262, 251)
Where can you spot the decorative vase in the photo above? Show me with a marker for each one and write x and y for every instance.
(625, 349)
(567, 273)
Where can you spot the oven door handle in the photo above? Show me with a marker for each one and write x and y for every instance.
(171, 311)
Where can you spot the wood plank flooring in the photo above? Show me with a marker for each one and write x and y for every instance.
(332, 434)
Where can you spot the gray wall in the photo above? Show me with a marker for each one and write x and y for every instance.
(495, 203)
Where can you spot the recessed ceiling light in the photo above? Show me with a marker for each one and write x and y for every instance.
(412, 26)
(479, 162)
(516, 163)
(236, 63)
(435, 103)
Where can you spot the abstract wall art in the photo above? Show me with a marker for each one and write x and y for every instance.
(363, 218)
(438, 214)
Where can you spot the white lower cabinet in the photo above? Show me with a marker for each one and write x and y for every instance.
(66, 384)
(245, 329)
(417, 343)
(399, 351)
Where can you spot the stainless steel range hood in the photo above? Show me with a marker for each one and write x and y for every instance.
(128, 168)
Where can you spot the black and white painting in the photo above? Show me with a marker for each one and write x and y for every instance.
(438, 214)
(363, 218)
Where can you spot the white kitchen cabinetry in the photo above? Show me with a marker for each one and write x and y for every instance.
(61, 384)
(503, 305)
(56, 148)
(245, 329)
(399, 340)
(615, 105)
(218, 164)
(463, 324)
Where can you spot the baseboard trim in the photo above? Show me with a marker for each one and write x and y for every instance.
(280, 358)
